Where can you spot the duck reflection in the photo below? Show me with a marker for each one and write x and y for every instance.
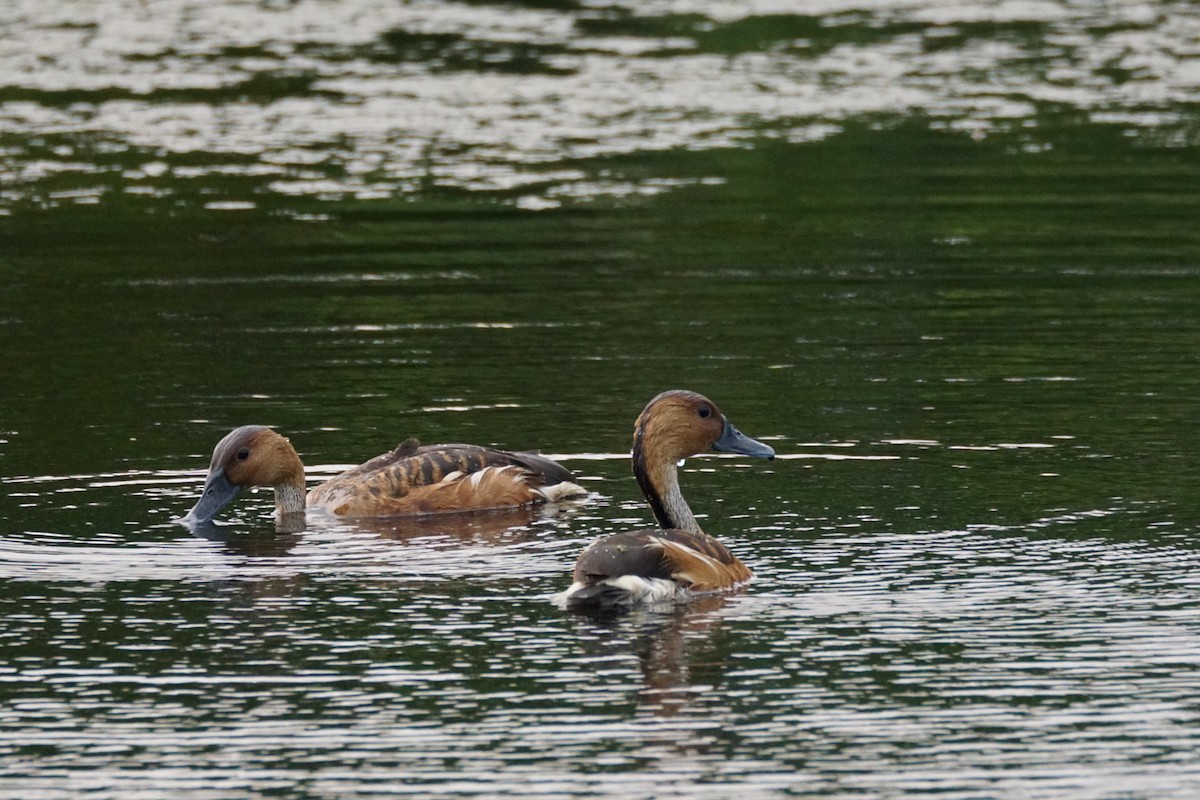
(677, 649)
(679, 661)
(241, 541)
(494, 527)
(501, 526)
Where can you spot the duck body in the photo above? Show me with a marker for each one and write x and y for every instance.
(652, 566)
(678, 559)
(432, 479)
(411, 479)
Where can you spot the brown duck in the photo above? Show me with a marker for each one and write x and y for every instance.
(678, 558)
(412, 479)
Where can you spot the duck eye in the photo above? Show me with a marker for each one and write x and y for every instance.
(705, 412)
(243, 454)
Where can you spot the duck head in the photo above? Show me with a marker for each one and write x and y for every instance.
(679, 424)
(674, 426)
(252, 455)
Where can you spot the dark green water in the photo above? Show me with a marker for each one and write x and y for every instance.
(961, 299)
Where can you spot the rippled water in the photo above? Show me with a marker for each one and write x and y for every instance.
(224, 102)
(944, 257)
(873, 655)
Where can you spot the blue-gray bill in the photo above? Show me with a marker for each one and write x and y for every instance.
(734, 441)
(218, 491)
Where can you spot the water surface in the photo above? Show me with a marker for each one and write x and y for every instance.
(944, 260)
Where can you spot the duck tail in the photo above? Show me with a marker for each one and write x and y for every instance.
(614, 594)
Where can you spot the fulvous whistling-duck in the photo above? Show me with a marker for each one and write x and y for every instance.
(677, 558)
(412, 479)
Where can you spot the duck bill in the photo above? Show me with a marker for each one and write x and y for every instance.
(734, 441)
(218, 491)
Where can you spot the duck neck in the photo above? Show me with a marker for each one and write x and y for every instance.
(659, 481)
(289, 497)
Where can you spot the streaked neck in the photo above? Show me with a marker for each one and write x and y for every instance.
(660, 484)
(289, 498)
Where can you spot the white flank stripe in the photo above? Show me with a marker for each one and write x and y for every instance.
(709, 560)
(561, 491)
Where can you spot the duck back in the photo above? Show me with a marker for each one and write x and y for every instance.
(696, 561)
(417, 479)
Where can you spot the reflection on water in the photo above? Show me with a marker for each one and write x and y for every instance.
(674, 651)
(231, 102)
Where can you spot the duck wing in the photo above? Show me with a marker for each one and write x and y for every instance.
(416, 479)
(469, 458)
(692, 560)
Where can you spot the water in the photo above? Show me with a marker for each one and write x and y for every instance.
(942, 257)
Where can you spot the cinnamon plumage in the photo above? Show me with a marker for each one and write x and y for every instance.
(411, 479)
(677, 558)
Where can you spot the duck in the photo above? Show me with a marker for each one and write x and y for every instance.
(677, 560)
(412, 479)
